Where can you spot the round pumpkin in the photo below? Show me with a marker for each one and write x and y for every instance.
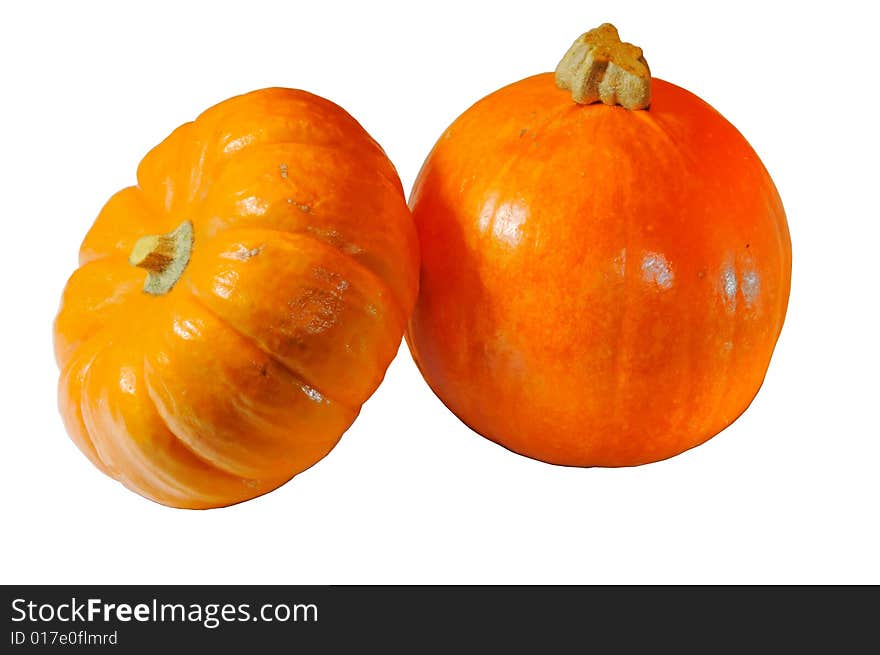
(233, 311)
(605, 264)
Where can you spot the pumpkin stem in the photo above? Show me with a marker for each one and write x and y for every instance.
(599, 67)
(164, 257)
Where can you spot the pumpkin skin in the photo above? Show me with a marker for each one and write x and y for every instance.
(302, 273)
(599, 286)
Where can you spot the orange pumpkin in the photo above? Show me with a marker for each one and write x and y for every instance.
(233, 310)
(601, 285)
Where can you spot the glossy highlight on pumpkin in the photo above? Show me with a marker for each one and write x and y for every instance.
(287, 299)
(599, 286)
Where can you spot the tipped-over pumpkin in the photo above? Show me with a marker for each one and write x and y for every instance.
(233, 310)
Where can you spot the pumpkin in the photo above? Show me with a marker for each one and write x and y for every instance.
(233, 311)
(605, 264)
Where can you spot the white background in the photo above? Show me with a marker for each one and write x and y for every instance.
(788, 494)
